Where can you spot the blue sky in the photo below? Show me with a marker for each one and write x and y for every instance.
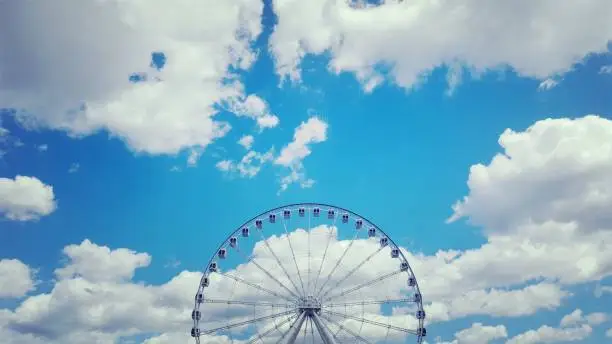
(140, 166)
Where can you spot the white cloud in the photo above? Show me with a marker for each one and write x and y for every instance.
(547, 334)
(99, 264)
(606, 69)
(602, 289)
(25, 198)
(609, 333)
(246, 141)
(494, 36)
(80, 82)
(74, 167)
(479, 334)
(42, 148)
(548, 84)
(254, 107)
(16, 278)
(250, 164)
(577, 317)
(314, 130)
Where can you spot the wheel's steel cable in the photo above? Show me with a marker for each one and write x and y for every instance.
(252, 260)
(350, 273)
(280, 340)
(367, 302)
(346, 329)
(372, 322)
(251, 284)
(294, 259)
(249, 303)
(265, 240)
(246, 322)
(267, 332)
(338, 262)
(331, 231)
(361, 286)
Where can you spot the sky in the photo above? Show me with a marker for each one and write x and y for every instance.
(135, 136)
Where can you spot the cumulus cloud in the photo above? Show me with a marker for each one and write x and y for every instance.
(547, 334)
(16, 278)
(249, 166)
(479, 37)
(548, 84)
(26, 198)
(479, 334)
(314, 130)
(246, 141)
(69, 68)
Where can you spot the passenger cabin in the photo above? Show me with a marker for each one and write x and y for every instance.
(199, 298)
(316, 212)
(345, 218)
(372, 232)
(411, 281)
(301, 212)
(358, 224)
(421, 332)
(258, 224)
(205, 282)
(272, 218)
(384, 241)
(245, 232)
(417, 297)
(196, 315)
(233, 241)
(420, 314)
(222, 253)
(404, 266)
(195, 332)
(395, 253)
(331, 213)
(286, 214)
(212, 267)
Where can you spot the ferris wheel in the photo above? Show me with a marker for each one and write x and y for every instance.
(308, 273)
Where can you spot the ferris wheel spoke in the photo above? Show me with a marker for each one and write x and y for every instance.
(331, 231)
(345, 329)
(372, 322)
(286, 333)
(249, 303)
(324, 331)
(264, 270)
(367, 302)
(256, 286)
(350, 273)
(367, 284)
(247, 322)
(338, 262)
(294, 259)
(265, 240)
(261, 336)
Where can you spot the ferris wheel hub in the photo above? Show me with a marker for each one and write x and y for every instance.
(309, 304)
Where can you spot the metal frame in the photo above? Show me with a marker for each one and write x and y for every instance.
(299, 309)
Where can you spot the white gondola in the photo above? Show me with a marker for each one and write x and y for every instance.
(205, 282)
(245, 232)
(404, 266)
(345, 218)
(316, 212)
(358, 224)
(222, 253)
(331, 213)
(422, 332)
(395, 253)
(412, 281)
(372, 232)
(301, 212)
(258, 224)
(199, 298)
(196, 315)
(384, 241)
(272, 218)
(286, 214)
(195, 332)
(417, 297)
(212, 267)
(420, 314)
(233, 241)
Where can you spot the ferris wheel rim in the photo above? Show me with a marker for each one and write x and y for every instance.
(262, 215)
